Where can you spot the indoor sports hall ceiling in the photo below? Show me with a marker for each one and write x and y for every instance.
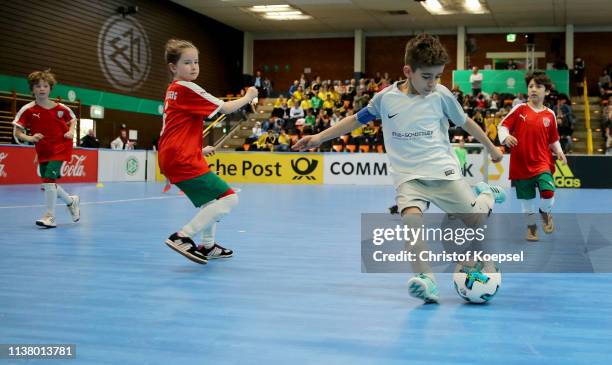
(333, 16)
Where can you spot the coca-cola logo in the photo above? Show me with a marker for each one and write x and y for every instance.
(3, 155)
(75, 167)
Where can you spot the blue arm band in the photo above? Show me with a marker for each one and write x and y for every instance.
(364, 116)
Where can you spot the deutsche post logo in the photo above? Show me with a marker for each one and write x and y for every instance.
(124, 53)
(304, 167)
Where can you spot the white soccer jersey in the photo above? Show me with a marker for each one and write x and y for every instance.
(415, 129)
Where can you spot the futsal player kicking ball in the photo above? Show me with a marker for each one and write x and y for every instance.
(424, 168)
(530, 129)
(52, 128)
(180, 153)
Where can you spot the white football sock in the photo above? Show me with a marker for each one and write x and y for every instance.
(210, 214)
(51, 197)
(547, 204)
(62, 194)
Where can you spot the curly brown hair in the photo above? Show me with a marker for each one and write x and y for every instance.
(425, 50)
(540, 78)
(37, 76)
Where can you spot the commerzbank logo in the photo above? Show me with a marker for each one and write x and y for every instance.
(304, 168)
(131, 165)
(564, 177)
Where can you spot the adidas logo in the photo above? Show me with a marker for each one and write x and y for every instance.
(564, 177)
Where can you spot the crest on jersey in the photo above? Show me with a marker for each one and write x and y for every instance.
(546, 121)
(60, 114)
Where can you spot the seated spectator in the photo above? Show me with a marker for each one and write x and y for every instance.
(491, 129)
(329, 105)
(361, 100)
(266, 141)
(357, 137)
(323, 93)
(284, 141)
(256, 133)
(604, 84)
(335, 118)
(322, 122)
(267, 88)
(317, 103)
(122, 142)
(303, 82)
(481, 102)
(363, 87)
(296, 112)
(306, 104)
(520, 99)
(372, 87)
(298, 94)
(494, 104)
(294, 87)
(310, 119)
(316, 84)
(479, 120)
(90, 140)
(458, 94)
(369, 133)
(279, 101)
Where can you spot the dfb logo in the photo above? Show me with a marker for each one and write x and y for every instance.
(124, 53)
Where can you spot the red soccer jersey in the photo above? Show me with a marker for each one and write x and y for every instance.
(535, 132)
(52, 124)
(180, 142)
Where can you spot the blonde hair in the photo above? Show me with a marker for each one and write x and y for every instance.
(37, 76)
(425, 50)
(174, 49)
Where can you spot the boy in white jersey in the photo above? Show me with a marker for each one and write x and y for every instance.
(424, 168)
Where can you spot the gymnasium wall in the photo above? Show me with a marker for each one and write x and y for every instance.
(553, 44)
(64, 36)
(333, 58)
(386, 54)
(330, 58)
(596, 51)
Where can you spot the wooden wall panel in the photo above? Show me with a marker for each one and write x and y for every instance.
(63, 36)
(330, 58)
(596, 51)
(386, 54)
(553, 44)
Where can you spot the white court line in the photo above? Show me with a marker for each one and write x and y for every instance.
(94, 203)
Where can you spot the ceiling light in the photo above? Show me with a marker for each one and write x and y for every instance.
(433, 4)
(266, 8)
(473, 5)
(287, 17)
(283, 13)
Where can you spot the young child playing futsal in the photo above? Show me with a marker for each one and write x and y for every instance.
(180, 153)
(424, 168)
(52, 127)
(530, 129)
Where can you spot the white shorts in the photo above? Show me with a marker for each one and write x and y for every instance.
(452, 196)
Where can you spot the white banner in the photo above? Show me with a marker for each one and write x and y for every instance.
(121, 165)
(373, 169)
(356, 169)
(498, 173)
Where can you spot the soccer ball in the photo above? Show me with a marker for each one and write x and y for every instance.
(477, 282)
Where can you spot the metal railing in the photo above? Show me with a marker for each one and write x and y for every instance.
(587, 118)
